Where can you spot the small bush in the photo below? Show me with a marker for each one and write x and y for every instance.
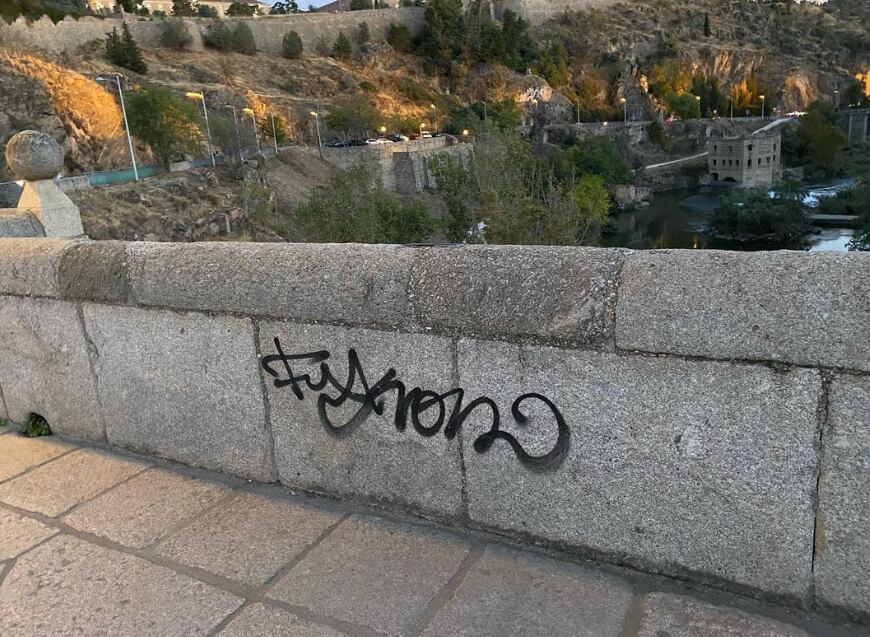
(657, 134)
(364, 35)
(243, 39)
(175, 35)
(218, 36)
(368, 87)
(36, 427)
(341, 49)
(399, 37)
(292, 45)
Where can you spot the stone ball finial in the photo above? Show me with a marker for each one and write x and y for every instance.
(34, 156)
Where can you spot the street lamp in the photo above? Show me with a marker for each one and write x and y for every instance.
(382, 130)
(434, 117)
(698, 101)
(200, 96)
(762, 106)
(250, 111)
(731, 108)
(465, 133)
(578, 111)
(236, 124)
(624, 103)
(274, 133)
(117, 78)
(319, 141)
(837, 98)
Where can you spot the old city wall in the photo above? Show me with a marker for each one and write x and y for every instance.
(538, 11)
(68, 35)
(700, 414)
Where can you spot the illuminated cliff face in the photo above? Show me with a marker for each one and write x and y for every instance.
(864, 80)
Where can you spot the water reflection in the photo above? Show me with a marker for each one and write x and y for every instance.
(669, 223)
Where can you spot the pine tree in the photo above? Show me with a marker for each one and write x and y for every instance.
(292, 45)
(341, 49)
(134, 60)
(183, 8)
(115, 50)
(707, 32)
(364, 35)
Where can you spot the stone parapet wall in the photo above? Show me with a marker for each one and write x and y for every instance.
(68, 35)
(704, 415)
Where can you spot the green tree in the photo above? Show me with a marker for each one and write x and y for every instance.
(356, 207)
(756, 214)
(364, 35)
(353, 115)
(121, 50)
(454, 188)
(592, 156)
(243, 39)
(820, 138)
(291, 46)
(205, 11)
(342, 49)
(361, 5)
(183, 8)
(284, 8)
(166, 123)
(241, 9)
(175, 35)
(399, 37)
(219, 36)
(683, 105)
(441, 38)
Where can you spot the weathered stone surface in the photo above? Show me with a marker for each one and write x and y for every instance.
(375, 460)
(94, 270)
(114, 594)
(361, 284)
(33, 155)
(266, 621)
(555, 293)
(18, 454)
(249, 539)
(61, 484)
(511, 594)
(184, 386)
(842, 567)
(397, 570)
(673, 464)
(56, 212)
(18, 533)
(44, 366)
(28, 267)
(805, 308)
(18, 225)
(679, 616)
(143, 509)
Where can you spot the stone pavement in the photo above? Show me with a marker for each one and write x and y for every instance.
(101, 542)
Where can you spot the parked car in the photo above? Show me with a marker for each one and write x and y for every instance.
(377, 141)
(336, 143)
(398, 138)
(356, 142)
(427, 135)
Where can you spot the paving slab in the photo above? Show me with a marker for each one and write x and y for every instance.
(259, 620)
(143, 509)
(511, 594)
(249, 539)
(842, 558)
(18, 533)
(666, 615)
(207, 364)
(374, 459)
(70, 587)
(45, 366)
(704, 466)
(18, 454)
(374, 573)
(65, 482)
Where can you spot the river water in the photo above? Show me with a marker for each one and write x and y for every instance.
(668, 222)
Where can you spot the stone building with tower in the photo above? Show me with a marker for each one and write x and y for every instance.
(750, 160)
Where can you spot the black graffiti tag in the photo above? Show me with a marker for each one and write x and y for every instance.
(410, 405)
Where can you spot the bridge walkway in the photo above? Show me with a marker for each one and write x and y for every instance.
(102, 542)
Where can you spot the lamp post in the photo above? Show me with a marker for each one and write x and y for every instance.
(274, 133)
(698, 100)
(382, 130)
(117, 79)
(317, 126)
(236, 124)
(624, 103)
(200, 96)
(250, 111)
(837, 98)
(731, 108)
(762, 106)
(434, 117)
(465, 133)
(484, 110)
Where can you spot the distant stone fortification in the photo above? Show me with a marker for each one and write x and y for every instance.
(538, 11)
(68, 35)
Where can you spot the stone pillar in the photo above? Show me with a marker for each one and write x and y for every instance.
(37, 159)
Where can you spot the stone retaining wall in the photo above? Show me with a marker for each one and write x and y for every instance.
(704, 415)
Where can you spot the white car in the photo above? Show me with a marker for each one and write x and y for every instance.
(380, 140)
(427, 135)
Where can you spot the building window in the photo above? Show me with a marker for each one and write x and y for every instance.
(714, 162)
(749, 163)
(750, 146)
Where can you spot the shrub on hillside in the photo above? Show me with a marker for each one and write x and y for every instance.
(399, 37)
(291, 46)
(361, 5)
(341, 49)
(121, 50)
(174, 35)
(167, 123)
(218, 36)
(243, 39)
